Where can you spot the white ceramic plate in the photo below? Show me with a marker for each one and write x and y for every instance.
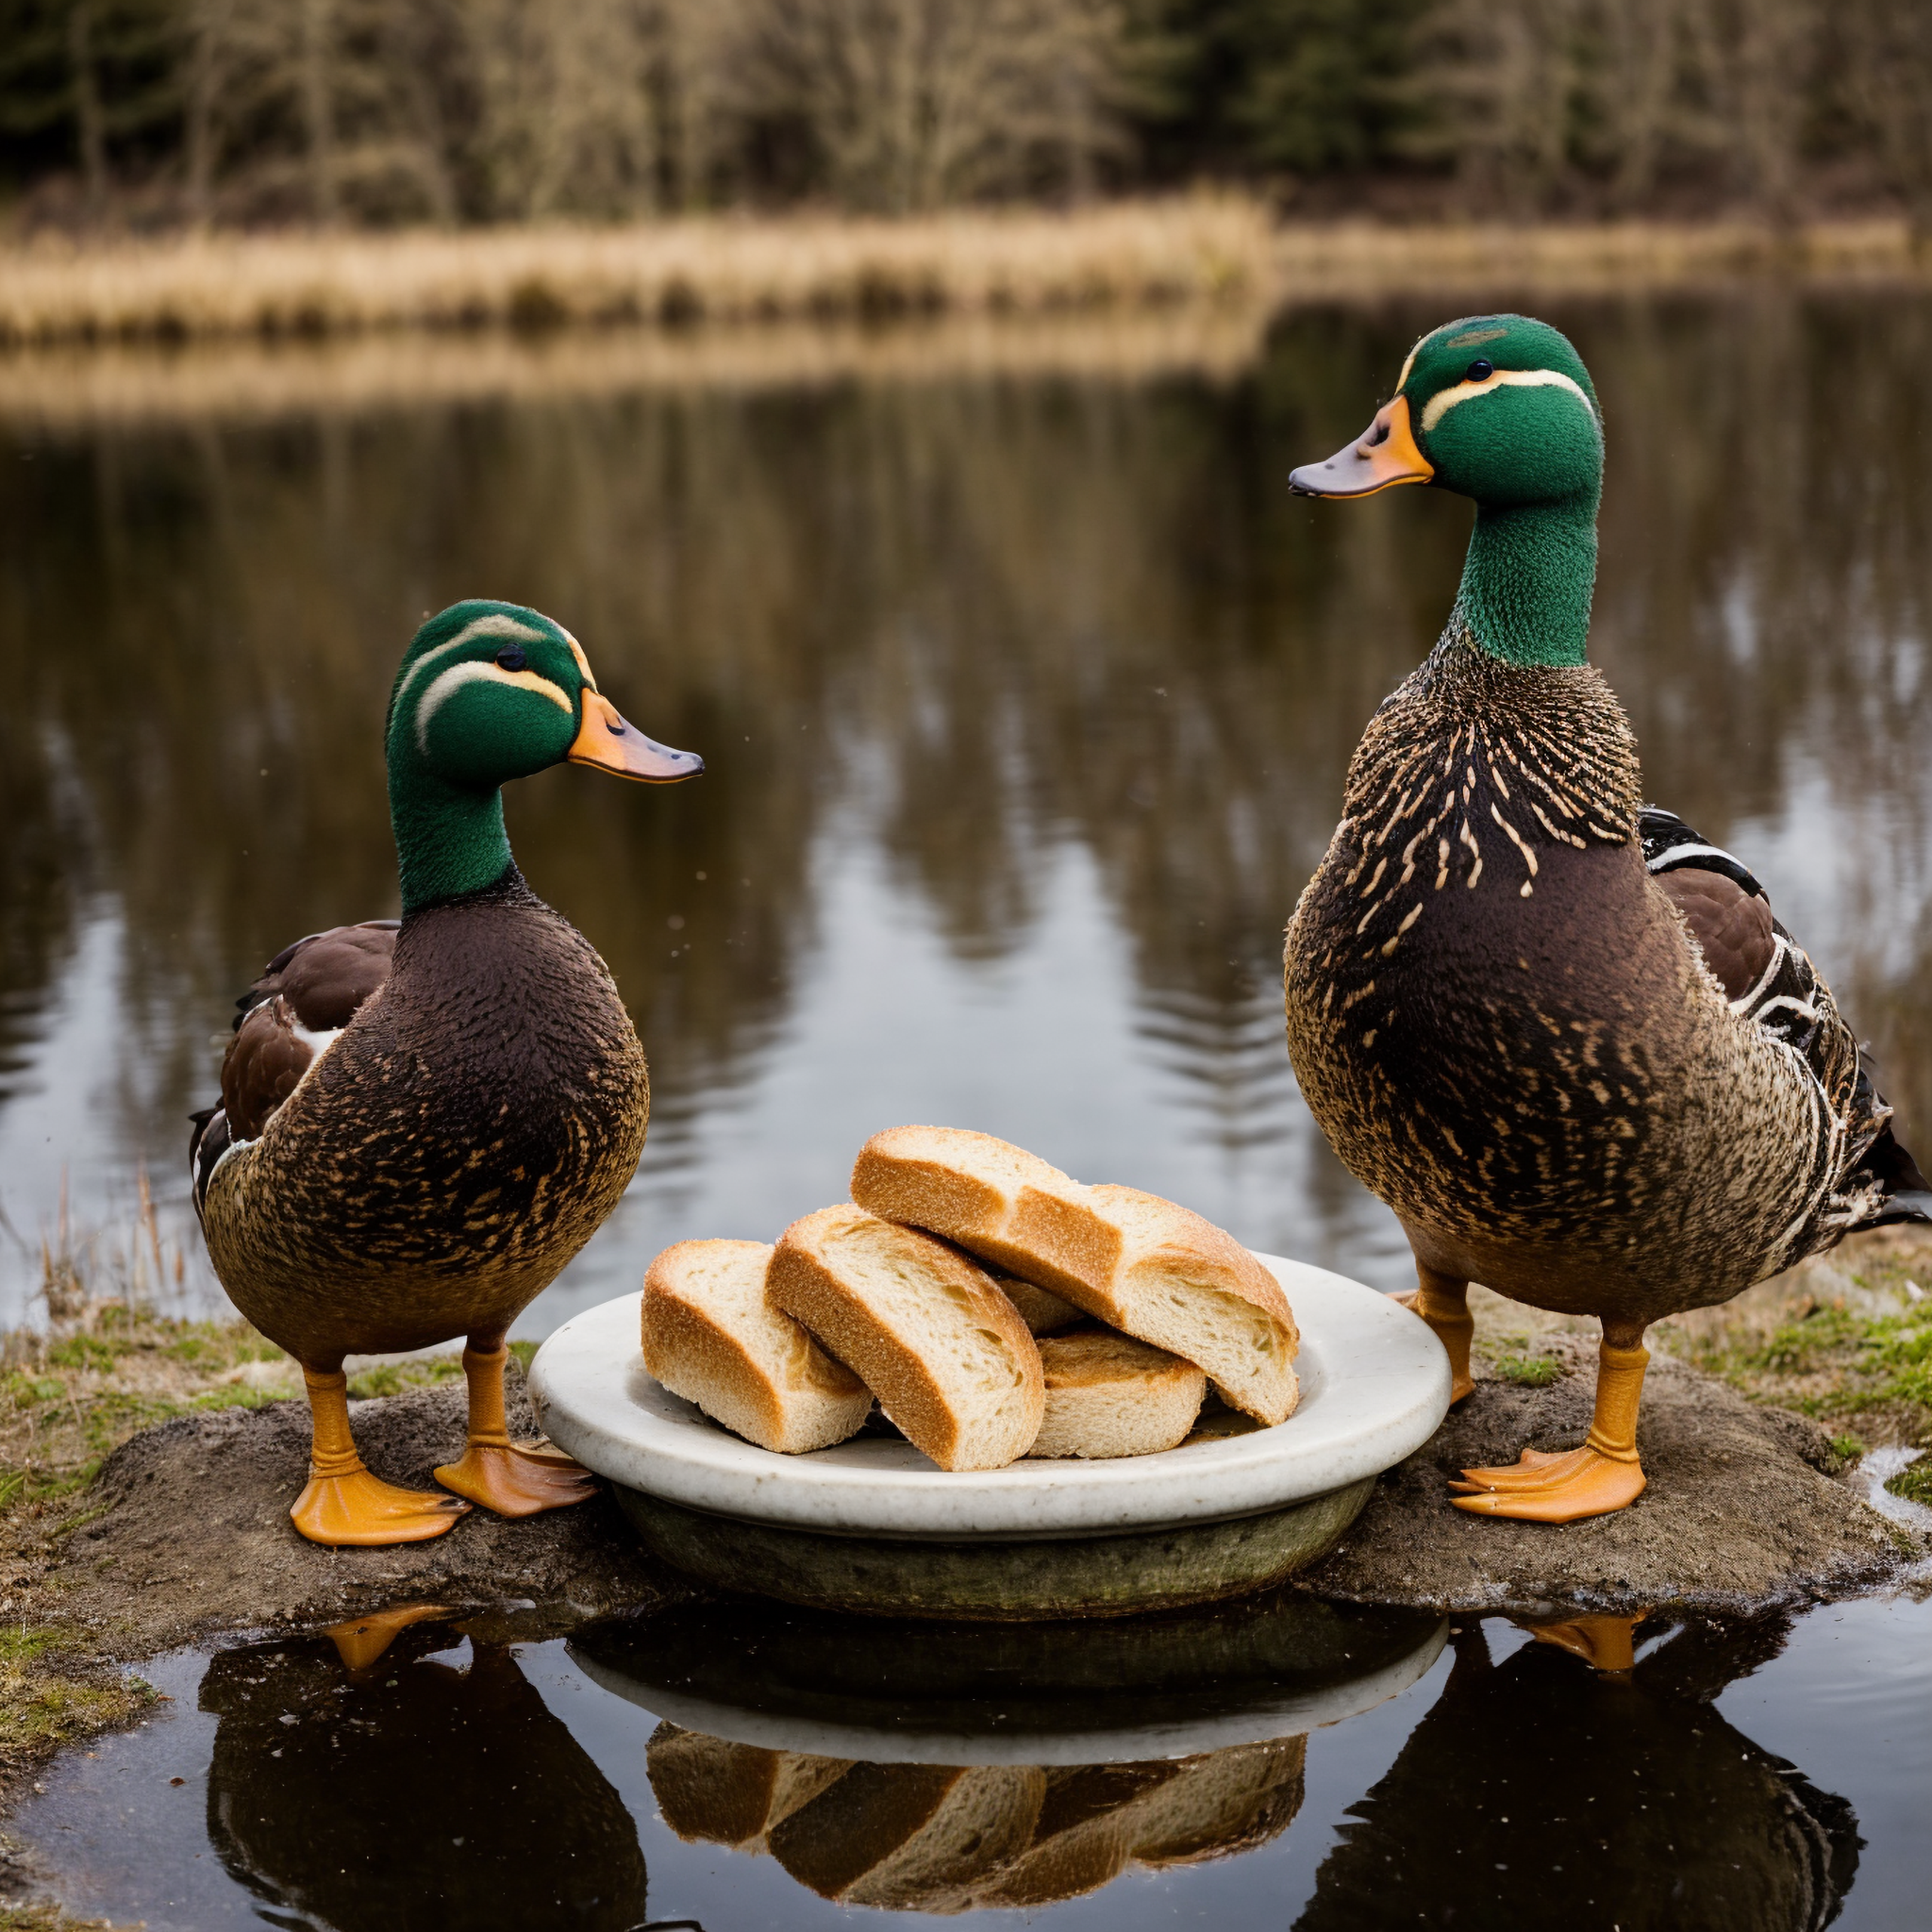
(1374, 1385)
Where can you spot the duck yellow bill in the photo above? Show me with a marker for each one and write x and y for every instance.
(606, 741)
(1383, 455)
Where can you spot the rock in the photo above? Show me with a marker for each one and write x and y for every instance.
(1742, 1510)
(191, 1531)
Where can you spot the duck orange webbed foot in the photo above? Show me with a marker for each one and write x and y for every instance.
(517, 1482)
(1607, 1644)
(356, 1509)
(1535, 1469)
(1554, 1488)
(498, 1473)
(343, 1505)
(361, 1640)
(1602, 1477)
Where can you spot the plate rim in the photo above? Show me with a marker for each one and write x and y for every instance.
(584, 1391)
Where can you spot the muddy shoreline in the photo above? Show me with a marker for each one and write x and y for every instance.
(183, 1533)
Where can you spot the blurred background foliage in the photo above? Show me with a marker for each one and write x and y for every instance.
(149, 113)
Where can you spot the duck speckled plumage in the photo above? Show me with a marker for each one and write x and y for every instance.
(1557, 1032)
(423, 1120)
(475, 1122)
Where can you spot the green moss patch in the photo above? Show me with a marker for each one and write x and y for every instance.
(1914, 1482)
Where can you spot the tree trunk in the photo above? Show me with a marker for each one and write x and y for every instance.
(201, 114)
(318, 107)
(90, 122)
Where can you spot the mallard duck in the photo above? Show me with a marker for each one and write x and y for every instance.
(423, 1120)
(1556, 1031)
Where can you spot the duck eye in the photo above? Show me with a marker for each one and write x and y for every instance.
(1479, 371)
(511, 657)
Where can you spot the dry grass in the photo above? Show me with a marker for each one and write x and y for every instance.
(972, 262)
(256, 327)
(678, 272)
(1580, 258)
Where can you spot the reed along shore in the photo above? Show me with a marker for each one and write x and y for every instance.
(1109, 255)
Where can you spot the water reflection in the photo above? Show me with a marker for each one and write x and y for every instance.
(921, 1767)
(1281, 1763)
(1539, 1791)
(1262, 1668)
(1026, 703)
(428, 1788)
(937, 1838)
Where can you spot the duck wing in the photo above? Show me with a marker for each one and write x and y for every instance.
(1767, 978)
(291, 1014)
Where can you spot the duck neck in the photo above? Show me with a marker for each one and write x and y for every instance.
(450, 839)
(1528, 580)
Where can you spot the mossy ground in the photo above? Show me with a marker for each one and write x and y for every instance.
(106, 1366)
(1845, 1339)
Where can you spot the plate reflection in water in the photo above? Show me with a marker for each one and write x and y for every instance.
(1283, 1763)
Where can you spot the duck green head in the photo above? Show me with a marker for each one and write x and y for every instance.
(1499, 408)
(487, 693)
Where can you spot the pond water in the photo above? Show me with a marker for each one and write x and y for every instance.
(1026, 703)
(1278, 1764)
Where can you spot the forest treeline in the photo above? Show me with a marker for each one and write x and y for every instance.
(156, 112)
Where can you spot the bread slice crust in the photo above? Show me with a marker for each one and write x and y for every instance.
(1007, 1206)
(1190, 1288)
(710, 1790)
(711, 1335)
(1139, 1263)
(1109, 1395)
(927, 1331)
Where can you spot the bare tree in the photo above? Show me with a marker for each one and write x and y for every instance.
(1886, 65)
(1603, 98)
(1760, 67)
(564, 116)
(89, 123)
(1500, 77)
(911, 103)
(1635, 89)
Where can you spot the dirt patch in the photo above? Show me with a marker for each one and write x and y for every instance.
(109, 1554)
(1745, 1507)
(193, 1532)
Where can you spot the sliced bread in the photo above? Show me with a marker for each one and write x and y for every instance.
(1043, 1312)
(1188, 1287)
(1010, 1207)
(711, 1335)
(1136, 1262)
(1225, 1802)
(1083, 1839)
(910, 1836)
(1108, 1394)
(944, 1350)
(731, 1794)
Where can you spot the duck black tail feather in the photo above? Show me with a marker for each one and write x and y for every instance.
(1908, 1194)
(206, 1146)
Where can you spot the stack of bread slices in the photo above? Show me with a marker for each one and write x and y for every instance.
(992, 1306)
(948, 1839)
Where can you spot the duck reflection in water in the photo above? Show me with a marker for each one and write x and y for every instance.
(356, 1785)
(1541, 1791)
